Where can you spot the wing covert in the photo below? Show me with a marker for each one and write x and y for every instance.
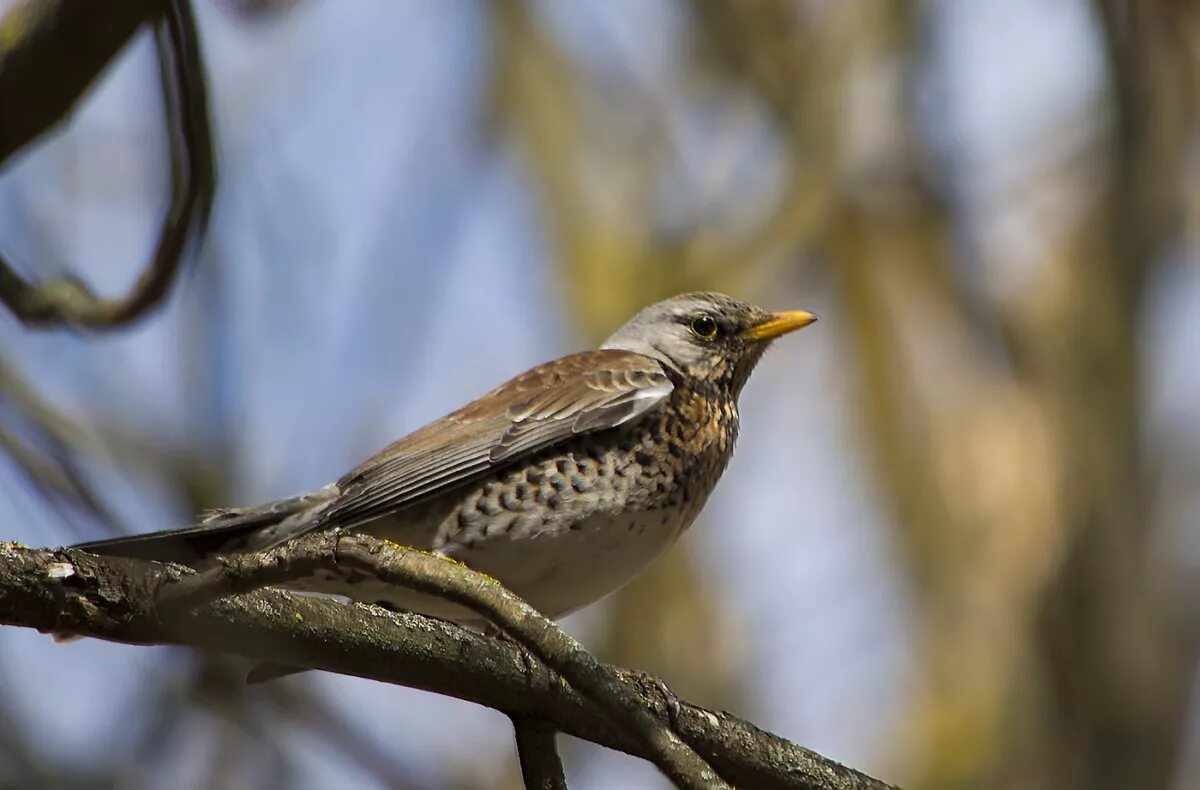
(577, 394)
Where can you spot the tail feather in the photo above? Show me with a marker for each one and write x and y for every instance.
(219, 532)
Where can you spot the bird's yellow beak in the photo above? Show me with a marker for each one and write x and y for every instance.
(780, 324)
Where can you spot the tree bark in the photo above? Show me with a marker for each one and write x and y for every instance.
(72, 592)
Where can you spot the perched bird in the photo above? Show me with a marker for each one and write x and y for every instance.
(562, 483)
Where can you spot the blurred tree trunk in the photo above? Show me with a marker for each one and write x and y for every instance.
(1018, 480)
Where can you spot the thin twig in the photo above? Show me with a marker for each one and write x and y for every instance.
(541, 767)
(69, 301)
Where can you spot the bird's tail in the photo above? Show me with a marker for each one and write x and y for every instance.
(220, 532)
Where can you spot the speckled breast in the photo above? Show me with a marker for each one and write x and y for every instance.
(668, 461)
(574, 523)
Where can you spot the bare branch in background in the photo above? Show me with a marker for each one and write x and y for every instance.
(47, 450)
(331, 725)
(21, 766)
(67, 300)
(51, 52)
(70, 591)
(260, 11)
(800, 71)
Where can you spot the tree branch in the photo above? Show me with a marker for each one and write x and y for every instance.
(51, 51)
(67, 300)
(70, 591)
(541, 767)
(359, 557)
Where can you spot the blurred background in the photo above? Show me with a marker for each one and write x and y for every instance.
(960, 543)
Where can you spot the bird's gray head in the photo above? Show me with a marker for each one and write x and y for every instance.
(706, 336)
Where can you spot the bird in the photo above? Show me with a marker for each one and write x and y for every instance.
(562, 484)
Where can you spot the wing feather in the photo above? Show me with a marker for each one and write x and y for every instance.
(577, 394)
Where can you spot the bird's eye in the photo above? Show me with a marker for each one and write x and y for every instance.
(704, 327)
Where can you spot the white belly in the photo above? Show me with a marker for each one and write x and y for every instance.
(561, 572)
(557, 572)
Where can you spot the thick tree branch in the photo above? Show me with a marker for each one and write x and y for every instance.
(70, 591)
(358, 558)
(67, 300)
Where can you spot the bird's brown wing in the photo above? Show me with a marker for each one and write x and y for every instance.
(580, 393)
